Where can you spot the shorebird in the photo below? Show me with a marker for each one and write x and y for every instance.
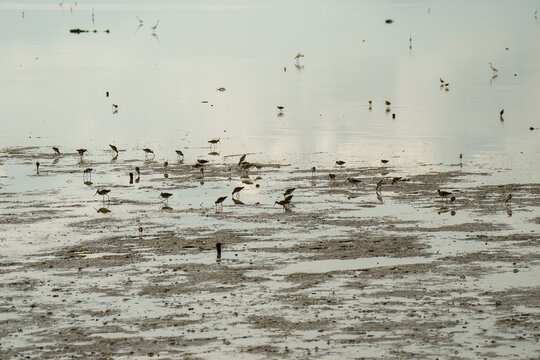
(103, 192)
(165, 164)
(378, 186)
(56, 150)
(114, 108)
(137, 170)
(492, 68)
(288, 198)
(131, 178)
(180, 154)
(103, 210)
(221, 89)
(202, 161)
(289, 191)
(218, 248)
(87, 172)
(285, 203)
(354, 181)
(340, 162)
(140, 20)
(387, 103)
(155, 26)
(444, 194)
(140, 229)
(242, 159)
(148, 151)
(507, 198)
(460, 157)
(280, 107)
(81, 152)
(114, 148)
(165, 197)
(298, 56)
(220, 201)
(313, 169)
(501, 115)
(37, 167)
(396, 179)
(237, 190)
(332, 176)
(213, 141)
(384, 161)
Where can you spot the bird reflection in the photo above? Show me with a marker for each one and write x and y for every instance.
(55, 161)
(114, 158)
(237, 202)
(213, 153)
(218, 255)
(88, 183)
(493, 78)
(155, 36)
(103, 210)
(379, 197)
(299, 67)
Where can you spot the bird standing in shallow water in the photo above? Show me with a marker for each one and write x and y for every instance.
(81, 152)
(103, 192)
(148, 151)
(218, 249)
(165, 197)
(56, 150)
(114, 148)
(443, 194)
(219, 202)
(501, 115)
(237, 190)
(493, 68)
(180, 154)
(37, 167)
(340, 162)
(354, 181)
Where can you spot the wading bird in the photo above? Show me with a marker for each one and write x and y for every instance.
(501, 115)
(165, 197)
(237, 190)
(493, 68)
(298, 56)
(114, 148)
(354, 181)
(155, 26)
(81, 152)
(180, 154)
(219, 202)
(56, 150)
(103, 192)
(37, 167)
(340, 162)
(443, 194)
(148, 151)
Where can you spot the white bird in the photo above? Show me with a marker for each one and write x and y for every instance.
(155, 26)
(140, 20)
(298, 56)
(492, 68)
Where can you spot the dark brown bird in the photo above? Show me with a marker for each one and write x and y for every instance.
(242, 159)
(202, 161)
(140, 229)
(56, 150)
(180, 153)
(81, 152)
(340, 162)
(501, 115)
(289, 191)
(131, 178)
(281, 107)
(288, 198)
(443, 194)
(237, 190)
(137, 170)
(165, 163)
(113, 148)
(354, 181)
(378, 186)
(396, 179)
(284, 203)
(313, 169)
(213, 141)
(166, 197)
(148, 151)
(103, 192)
(388, 103)
(332, 176)
(37, 167)
(384, 161)
(87, 171)
(219, 202)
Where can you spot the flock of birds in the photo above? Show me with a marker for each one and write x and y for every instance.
(285, 202)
